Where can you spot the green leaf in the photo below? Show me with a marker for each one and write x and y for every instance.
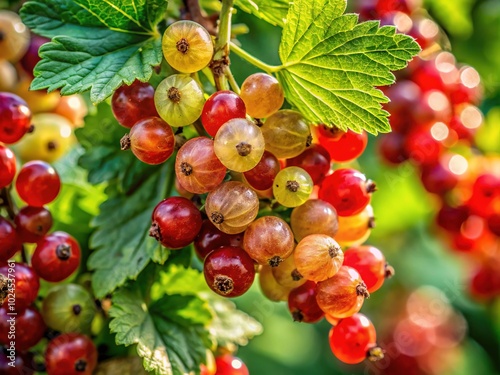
(331, 65)
(179, 280)
(231, 326)
(169, 332)
(272, 11)
(121, 240)
(96, 45)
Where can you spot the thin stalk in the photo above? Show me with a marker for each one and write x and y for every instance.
(253, 60)
(221, 56)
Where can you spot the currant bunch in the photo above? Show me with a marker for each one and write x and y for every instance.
(434, 118)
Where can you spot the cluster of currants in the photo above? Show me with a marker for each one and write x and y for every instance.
(258, 193)
(54, 116)
(434, 120)
(56, 256)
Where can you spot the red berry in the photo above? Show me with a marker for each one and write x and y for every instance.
(9, 366)
(7, 166)
(70, 354)
(438, 178)
(29, 328)
(230, 365)
(352, 338)
(370, 263)
(261, 176)
(485, 282)
(31, 57)
(25, 282)
(32, 223)
(347, 147)
(391, 148)
(347, 190)
(229, 271)
(315, 160)
(151, 140)
(9, 242)
(176, 222)
(210, 238)
(494, 224)
(133, 103)
(302, 303)
(15, 118)
(422, 147)
(485, 192)
(452, 218)
(56, 257)
(221, 107)
(38, 183)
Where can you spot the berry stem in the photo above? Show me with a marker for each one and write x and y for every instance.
(253, 60)
(221, 57)
(232, 82)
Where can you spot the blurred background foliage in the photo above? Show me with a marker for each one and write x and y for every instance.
(404, 216)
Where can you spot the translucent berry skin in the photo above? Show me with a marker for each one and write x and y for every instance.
(29, 328)
(302, 304)
(286, 133)
(133, 103)
(269, 285)
(32, 223)
(268, 240)
(179, 100)
(343, 294)
(9, 243)
(239, 144)
(7, 166)
(26, 283)
(51, 139)
(38, 183)
(15, 36)
(347, 147)
(56, 257)
(369, 262)
(187, 46)
(354, 230)
(287, 274)
(230, 365)
(210, 238)
(261, 176)
(292, 186)
(485, 281)
(71, 354)
(347, 190)
(232, 206)
(229, 271)
(318, 257)
(152, 140)
(352, 338)
(197, 168)
(68, 308)
(438, 178)
(451, 218)
(219, 108)
(176, 222)
(315, 160)
(262, 95)
(15, 118)
(315, 216)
